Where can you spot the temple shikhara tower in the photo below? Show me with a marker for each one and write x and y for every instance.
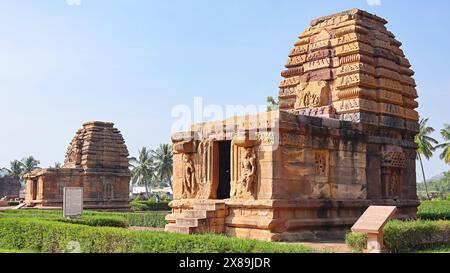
(342, 140)
(97, 161)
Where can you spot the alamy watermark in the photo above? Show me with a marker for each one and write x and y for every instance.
(252, 122)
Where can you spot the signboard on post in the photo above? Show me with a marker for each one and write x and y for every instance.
(73, 202)
(372, 222)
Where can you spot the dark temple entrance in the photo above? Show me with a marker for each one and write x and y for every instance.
(223, 191)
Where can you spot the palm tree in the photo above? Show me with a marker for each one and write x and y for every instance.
(57, 165)
(446, 146)
(15, 169)
(272, 104)
(142, 169)
(163, 160)
(426, 146)
(29, 164)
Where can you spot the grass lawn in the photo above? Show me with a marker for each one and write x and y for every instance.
(43, 233)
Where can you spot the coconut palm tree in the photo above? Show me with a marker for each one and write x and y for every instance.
(29, 164)
(57, 165)
(142, 169)
(445, 155)
(272, 104)
(163, 160)
(15, 169)
(426, 146)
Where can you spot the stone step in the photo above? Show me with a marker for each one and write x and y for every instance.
(171, 218)
(191, 222)
(201, 214)
(173, 228)
(209, 206)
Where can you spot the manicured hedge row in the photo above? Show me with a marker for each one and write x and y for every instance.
(434, 210)
(98, 221)
(400, 236)
(89, 220)
(404, 236)
(149, 206)
(53, 237)
(153, 219)
(150, 219)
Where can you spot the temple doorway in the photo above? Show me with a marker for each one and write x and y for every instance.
(224, 189)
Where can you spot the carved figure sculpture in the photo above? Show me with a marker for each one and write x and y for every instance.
(248, 174)
(190, 186)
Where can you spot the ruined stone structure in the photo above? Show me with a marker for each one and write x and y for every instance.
(342, 140)
(9, 187)
(97, 160)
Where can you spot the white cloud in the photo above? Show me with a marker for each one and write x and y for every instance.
(374, 2)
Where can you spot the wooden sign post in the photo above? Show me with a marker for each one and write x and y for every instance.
(372, 222)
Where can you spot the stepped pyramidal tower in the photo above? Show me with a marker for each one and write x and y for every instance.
(350, 67)
(342, 140)
(97, 161)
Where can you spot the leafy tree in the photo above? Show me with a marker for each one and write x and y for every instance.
(272, 104)
(29, 164)
(15, 169)
(163, 163)
(143, 170)
(426, 146)
(445, 155)
(57, 165)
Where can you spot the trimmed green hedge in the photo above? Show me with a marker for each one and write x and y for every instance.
(150, 219)
(401, 236)
(406, 236)
(52, 237)
(88, 220)
(434, 210)
(139, 205)
(98, 221)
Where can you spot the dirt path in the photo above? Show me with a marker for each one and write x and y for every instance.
(327, 246)
(145, 229)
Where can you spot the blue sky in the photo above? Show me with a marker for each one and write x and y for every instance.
(131, 61)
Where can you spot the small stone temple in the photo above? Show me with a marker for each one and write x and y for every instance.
(97, 161)
(342, 140)
(9, 187)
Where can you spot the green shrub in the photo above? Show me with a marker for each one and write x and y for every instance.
(13, 203)
(98, 221)
(147, 219)
(53, 237)
(149, 205)
(89, 220)
(139, 206)
(401, 236)
(434, 210)
(356, 241)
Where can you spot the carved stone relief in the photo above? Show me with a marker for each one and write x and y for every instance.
(245, 185)
(313, 94)
(190, 186)
(244, 169)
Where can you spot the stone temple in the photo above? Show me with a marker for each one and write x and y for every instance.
(9, 187)
(97, 160)
(342, 140)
